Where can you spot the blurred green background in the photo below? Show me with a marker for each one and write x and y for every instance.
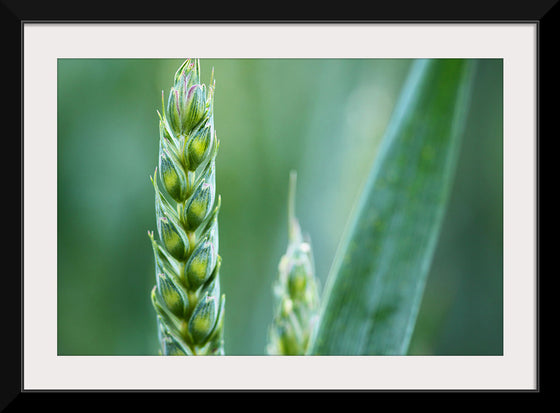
(322, 117)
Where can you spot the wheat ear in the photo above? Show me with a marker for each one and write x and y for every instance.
(295, 290)
(186, 297)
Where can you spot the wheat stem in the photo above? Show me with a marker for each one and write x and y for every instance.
(295, 290)
(186, 297)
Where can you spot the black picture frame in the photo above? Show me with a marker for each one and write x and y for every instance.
(16, 13)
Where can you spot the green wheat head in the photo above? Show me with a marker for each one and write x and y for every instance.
(186, 297)
(296, 293)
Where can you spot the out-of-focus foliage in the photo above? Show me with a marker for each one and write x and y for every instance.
(321, 117)
(375, 287)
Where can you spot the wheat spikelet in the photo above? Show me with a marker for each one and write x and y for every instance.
(295, 291)
(186, 296)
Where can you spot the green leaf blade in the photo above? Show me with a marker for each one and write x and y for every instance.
(377, 280)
